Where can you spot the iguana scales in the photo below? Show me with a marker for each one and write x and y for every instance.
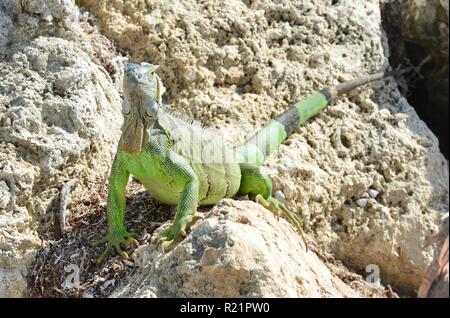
(165, 152)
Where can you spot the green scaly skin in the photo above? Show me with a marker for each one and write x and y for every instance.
(149, 151)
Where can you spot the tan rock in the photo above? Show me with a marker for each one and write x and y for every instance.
(371, 139)
(239, 250)
(59, 119)
(59, 115)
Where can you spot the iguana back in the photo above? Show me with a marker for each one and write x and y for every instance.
(214, 162)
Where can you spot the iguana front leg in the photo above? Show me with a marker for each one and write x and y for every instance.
(117, 234)
(177, 167)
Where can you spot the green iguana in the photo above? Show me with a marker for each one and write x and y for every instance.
(172, 156)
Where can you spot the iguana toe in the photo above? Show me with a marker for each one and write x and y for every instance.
(115, 239)
(278, 208)
(172, 235)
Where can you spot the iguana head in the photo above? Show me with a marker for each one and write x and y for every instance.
(142, 90)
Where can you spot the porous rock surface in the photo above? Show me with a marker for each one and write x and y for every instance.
(239, 250)
(235, 64)
(59, 119)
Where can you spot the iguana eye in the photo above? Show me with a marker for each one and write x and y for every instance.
(152, 71)
(126, 110)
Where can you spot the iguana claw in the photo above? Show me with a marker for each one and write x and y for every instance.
(114, 239)
(278, 208)
(177, 231)
(171, 236)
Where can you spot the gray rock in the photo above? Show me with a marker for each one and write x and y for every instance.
(362, 202)
(373, 193)
(279, 195)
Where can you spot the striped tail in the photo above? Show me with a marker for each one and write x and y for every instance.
(267, 140)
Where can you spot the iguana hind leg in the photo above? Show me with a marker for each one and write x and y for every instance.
(259, 187)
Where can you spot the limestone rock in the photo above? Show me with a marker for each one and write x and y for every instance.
(59, 119)
(239, 250)
(278, 53)
(420, 29)
(234, 65)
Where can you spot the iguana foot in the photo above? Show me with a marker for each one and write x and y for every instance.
(172, 235)
(114, 239)
(278, 208)
(177, 231)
